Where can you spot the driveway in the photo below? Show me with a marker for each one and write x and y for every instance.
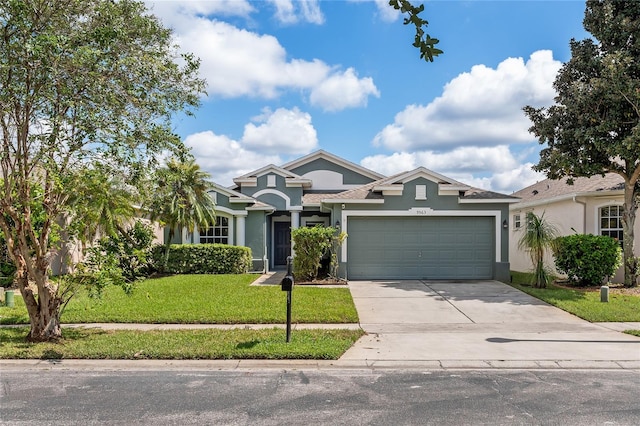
(477, 324)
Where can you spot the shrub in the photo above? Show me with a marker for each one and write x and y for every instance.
(202, 259)
(131, 250)
(587, 259)
(311, 246)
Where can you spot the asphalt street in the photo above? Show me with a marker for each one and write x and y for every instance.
(319, 397)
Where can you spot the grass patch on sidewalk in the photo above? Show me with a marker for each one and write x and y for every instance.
(90, 343)
(584, 303)
(205, 299)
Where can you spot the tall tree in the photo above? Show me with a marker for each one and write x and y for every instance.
(81, 81)
(180, 198)
(594, 126)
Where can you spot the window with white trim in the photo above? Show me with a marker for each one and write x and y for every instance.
(217, 234)
(517, 221)
(271, 181)
(421, 192)
(611, 222)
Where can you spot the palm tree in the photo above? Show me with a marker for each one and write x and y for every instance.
(180, 198)
(102, 203)
(537, 238)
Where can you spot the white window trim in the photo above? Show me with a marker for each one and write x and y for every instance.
(421, 192)
(230, 237)
(598, 229)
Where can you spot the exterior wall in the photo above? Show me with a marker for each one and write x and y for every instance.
(256, 239)
(580, 214)
(279, 196)
(349, 177)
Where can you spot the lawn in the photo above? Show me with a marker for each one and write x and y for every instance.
(584, 303)
(90, 343)
(189, 299)
(206, 299)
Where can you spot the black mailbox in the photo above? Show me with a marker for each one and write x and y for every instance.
(287, 283)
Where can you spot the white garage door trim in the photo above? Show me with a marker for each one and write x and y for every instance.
(424, 212)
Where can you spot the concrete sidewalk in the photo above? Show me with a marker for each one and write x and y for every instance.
(479, 325)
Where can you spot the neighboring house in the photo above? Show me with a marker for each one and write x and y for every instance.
(414, 225)
(589, 206)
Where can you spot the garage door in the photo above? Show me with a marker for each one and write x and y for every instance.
(420, 248)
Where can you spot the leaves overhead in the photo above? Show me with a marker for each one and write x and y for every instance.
(422, 41)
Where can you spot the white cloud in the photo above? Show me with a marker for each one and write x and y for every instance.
(225, 158)
(481, 107)
(290, 12)
(177, 14)
(281, 131)
(385, 12)
(503, 172)
(345, 90)
(237, 62)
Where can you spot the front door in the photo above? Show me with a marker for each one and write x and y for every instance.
(281, 242)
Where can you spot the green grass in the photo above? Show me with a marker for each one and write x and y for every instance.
(583, 303)
(207, 299)
(81, 343)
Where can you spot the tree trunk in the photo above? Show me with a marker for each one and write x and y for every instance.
(628, 223)
(43, 309)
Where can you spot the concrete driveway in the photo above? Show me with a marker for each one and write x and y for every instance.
(477, 324)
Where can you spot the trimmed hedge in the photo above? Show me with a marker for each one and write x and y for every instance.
(203, 259)
(587, 259)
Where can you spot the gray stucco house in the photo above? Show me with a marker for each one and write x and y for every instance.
(414, 225)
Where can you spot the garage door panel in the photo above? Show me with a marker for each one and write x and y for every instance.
(421, 248)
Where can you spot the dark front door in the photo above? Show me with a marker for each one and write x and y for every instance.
(281, 242)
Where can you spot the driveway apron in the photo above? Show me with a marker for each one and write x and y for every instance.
(459, 323)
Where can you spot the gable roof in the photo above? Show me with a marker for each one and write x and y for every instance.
(374, 192)
(550, 190)
(291, 178)
(321, 154)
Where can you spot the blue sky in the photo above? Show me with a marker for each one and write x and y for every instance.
(286, 78)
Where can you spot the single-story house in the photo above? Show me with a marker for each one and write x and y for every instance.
(589, 206)
(414, 225)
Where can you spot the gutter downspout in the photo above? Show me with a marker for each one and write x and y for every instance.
(584, 213)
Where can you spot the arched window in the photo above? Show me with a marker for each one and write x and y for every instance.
(611, 221)
(218, 234)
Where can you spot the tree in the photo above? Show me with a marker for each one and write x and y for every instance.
(538, 236)
(594, 126)
(180, 198)
(80, 82)
(422, 41)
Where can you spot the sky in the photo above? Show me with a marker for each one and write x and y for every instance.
(286, 78)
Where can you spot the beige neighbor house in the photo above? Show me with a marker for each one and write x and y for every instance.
(589, 206)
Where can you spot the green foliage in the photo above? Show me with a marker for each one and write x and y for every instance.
(202, 299)
(538, 236)
(202, 259)
(587, 259)
(310, 244)
(593, 128)
(270, 343)
(585, 304)
(422, 41)
(83, 82)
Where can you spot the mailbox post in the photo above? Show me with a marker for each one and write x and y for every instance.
(287, 285)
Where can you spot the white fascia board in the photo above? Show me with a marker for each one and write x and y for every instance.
(529, 204)
(488, 201)
(237, 200)
(246, 181)
(392, 187)
(297, 183)
(350, 201)
(263, 208)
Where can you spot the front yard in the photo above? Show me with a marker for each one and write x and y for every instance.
(191, 299)
(623, 305)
